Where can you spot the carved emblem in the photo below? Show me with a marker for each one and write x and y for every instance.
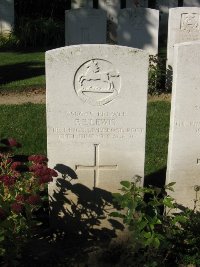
(189, 22)
(97, 82)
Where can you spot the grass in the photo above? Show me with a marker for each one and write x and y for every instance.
(27, 124)
(21, 71)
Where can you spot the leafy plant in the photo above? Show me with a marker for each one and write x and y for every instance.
(40, 32)
(157, 75)
(146, 212)
(22, 181)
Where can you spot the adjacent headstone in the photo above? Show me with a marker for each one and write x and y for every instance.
(164, 6)
(184, 25)
(136, 3)
(96, 120)
(184, 154)
(81, 3)
(112, 8)
(138, 27)
(6, 16)
(85, 26)
(191, 3)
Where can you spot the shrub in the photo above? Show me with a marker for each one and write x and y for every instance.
(22, 182)
(157, 75)
(41, 32)
(159, 236)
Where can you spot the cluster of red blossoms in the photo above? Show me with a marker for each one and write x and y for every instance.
(40, 170)
(21, 200)
(8, 180)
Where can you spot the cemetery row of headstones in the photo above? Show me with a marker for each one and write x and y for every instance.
(137, 27)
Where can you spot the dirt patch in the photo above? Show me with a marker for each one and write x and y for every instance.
(36, 96)
(160, 97)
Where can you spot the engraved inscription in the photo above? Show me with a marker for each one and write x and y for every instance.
(189, 22)
(198, 161)
(96, 167)
(97, 82)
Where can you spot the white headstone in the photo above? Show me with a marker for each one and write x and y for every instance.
(136, 3)
(184, 153)
(96, 115)
(138, 27)
(164, 6)
(85, 26)
(81, 3)
(184, 26)
(112, 8)
(6, 16)
(191, 3)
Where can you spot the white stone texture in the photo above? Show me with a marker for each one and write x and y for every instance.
(85, 26)
(191, 3)
(96, 114)
(112, 8)
(184, 141)
(136, 3)
(184, 26)
(6, 16)
(81, 3)
(138, 27)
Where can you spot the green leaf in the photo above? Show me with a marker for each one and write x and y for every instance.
(147, 235)
(126, 184)
(171, 184)
(156, 242)
(114, 214)
(167, 201)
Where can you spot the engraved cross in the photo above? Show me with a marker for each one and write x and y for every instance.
(96, 167)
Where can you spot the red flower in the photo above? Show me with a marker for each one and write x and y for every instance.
(8, 180)
(38, 158)
(17, 207)
(15, 165)
(20, 199)
(44, 173)
(33, 200)
(11, 142)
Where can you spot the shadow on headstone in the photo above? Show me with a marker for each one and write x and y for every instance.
(80, 211)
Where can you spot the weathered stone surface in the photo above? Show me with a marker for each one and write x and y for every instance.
(183, 153)
(96, 120)
(81, 3)
(191, 3)
(138, 27)
(85, 26)
(184, 26)
(6, 16)
(112, 8)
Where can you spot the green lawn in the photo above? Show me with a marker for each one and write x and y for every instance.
(21, 70)
(27, 123)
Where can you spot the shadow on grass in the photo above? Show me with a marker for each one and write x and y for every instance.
(156, 179)
(20, 71)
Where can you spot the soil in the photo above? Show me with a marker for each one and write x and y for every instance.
(38, 96)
